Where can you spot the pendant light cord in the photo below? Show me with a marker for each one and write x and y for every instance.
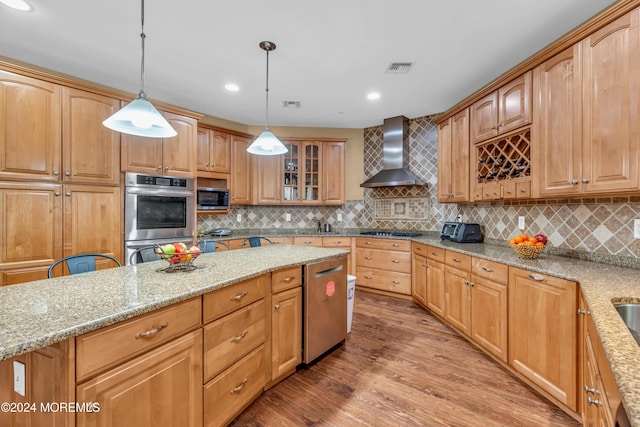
(267, 102)
(142, 36)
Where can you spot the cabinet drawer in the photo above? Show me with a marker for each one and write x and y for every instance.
(399, 283)
(435, 253)
(227, 394)
(384, 260)
(228, 339)
(419, 249)
(494, 271)
(223, 301)
(458, 260)
(307, 241)
(336, 242)
(391, 244)
(113, 345)
(286, 279)
(283, 240)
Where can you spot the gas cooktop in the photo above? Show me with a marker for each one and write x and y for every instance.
(391, 233)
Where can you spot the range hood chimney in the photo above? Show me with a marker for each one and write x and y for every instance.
(395, 156)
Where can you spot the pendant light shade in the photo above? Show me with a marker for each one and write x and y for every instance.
(140, 117)
(267, 144)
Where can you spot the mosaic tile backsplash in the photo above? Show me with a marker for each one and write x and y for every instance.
(591, 228)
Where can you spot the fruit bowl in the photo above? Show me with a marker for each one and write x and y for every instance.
(179, 259)
(527, 251)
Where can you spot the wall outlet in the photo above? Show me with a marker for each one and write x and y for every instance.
(636, 228)
(287, 217)
(239, 217)
(521, 225)
(339, 217)
(19, 379)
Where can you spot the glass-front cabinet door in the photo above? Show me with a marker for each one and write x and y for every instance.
(301, 172)
(291, 166)
(311, 171)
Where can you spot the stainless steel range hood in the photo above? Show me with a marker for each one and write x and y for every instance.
(395, 156)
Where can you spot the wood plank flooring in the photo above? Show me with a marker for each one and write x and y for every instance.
(401, 366)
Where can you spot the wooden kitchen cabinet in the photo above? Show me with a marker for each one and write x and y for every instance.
(267, 183)
(453, 159)
(419, 273)
(30, 128)
(384, 265)
(543, 332)
(162, 388)
(457, 281)
(286, 322)
(308, 241)
(503, 110)
(175, 156)
(333, 163)
(240, 184)
(341, 242)
(90, 151)
(213, 152)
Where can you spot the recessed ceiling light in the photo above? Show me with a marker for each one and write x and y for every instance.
(373, 96)
(231, 87)
(20, 5)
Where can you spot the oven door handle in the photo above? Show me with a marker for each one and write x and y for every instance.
(165, 193)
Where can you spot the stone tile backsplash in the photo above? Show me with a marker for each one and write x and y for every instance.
(593, 228)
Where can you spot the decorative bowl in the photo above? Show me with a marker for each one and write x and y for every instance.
(182, 261)
(527, 251)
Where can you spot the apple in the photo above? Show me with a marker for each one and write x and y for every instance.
(180, 248)
(194, 251)
(167, 250)
(541, 238)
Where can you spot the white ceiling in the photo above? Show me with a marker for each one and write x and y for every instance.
(329, 55)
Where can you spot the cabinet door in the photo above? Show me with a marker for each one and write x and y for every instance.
(419, 279)
(514, 103)
(333, 173)
(444, 161)
(203, 161)
(458, 299)
(484, 118)
(489, 316)
(435, 287)
(543, 332)
(240, 185)
(92, 221)
(220, 149)
(459, 168)
(179, 152)
(311, 167)
(557, 112)
(141, 154)
(30, 140)
(611, 106)
(286, 332)
(31, 227)
(160, 388)
(268, 179)
(91, 152)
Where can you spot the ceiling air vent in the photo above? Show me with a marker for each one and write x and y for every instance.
(399, 67)
(291, 104)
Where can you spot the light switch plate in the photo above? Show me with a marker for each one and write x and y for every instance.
(287, 217)
(636, 228)
(19, 379)
(339, 217)
(521, 223)
(239, 218)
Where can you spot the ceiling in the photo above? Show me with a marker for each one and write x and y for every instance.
(330, 54)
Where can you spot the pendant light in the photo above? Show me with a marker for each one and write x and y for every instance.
(267, 144)
(140, 117)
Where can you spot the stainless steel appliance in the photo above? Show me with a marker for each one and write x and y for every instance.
(461, 232)
(212, 199)
(325, 306)
(157, 210)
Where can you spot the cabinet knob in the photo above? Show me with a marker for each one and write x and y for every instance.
(67, 173)
(591, 401)
(277, 306)
(466, 282)
(574, 181)
(68, 193)
(213, 165)
(160, 167)
(585, 180)
(57, 193)
(206, 164)
(56, 173)
(581, 312)
(425, 265)
(166, 168)
(591, 390)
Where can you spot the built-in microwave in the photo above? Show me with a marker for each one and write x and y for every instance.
(213, 199)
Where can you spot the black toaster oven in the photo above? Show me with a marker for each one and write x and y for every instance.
(462, 232)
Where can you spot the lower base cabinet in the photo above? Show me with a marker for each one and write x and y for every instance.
(160, 388)
(286, 332)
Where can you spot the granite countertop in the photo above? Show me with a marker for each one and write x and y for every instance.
(43, 312)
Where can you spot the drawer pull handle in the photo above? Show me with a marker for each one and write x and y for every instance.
(368, 277)
(395, 282)
(591, 390)
(367, 243)
(591, 401)
(367, 257)
(151, 332)
(287, 279)
(456, 260)
(337, 242)
(395, 261)
(239, 337)
(537, 278)
(425, 265)
(487, 269)
(307, 242)
(240, 387)
(395, 245)
(434, 253)
(239, 296)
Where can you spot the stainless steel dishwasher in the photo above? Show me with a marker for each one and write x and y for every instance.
(325, 306)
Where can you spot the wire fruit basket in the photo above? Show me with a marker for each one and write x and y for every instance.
(180, 260)
(527, 251)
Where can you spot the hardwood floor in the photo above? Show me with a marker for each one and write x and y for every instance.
(402, 367)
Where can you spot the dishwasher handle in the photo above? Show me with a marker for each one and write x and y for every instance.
(328, 271)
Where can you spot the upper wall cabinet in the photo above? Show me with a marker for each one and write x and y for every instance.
(91, 152)
(214, 152)
(503, 110)
(586, 114)
(240, 182)
(175, 156)
(453, 159)
(30, 122)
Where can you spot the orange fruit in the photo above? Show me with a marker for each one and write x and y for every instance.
(512, 241)
(524, 236)
(539, 244)
(518, 239)
(533, 240)
(526, 243)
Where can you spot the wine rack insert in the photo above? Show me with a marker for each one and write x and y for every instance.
(504, 158)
